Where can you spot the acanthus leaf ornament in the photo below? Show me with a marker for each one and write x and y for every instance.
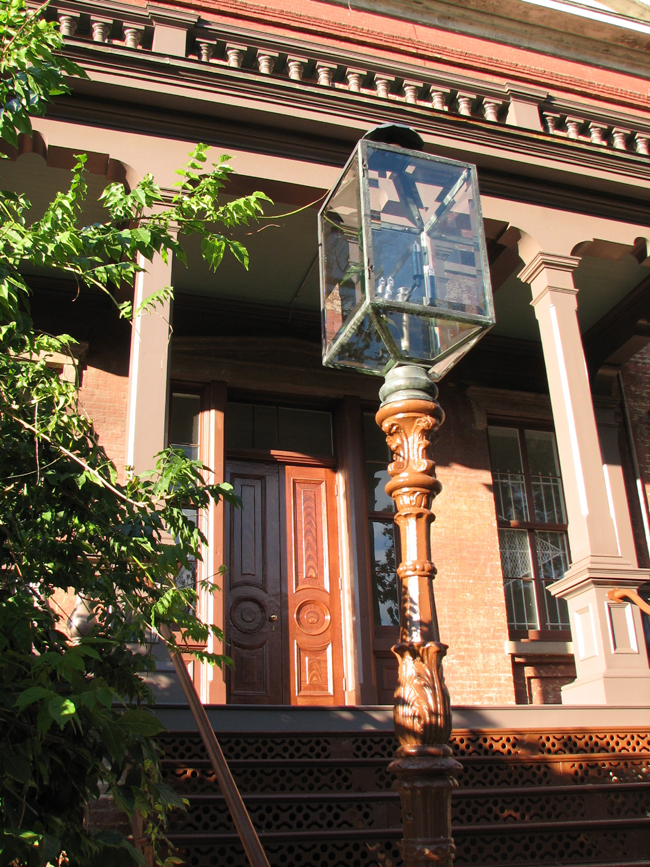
(422, 710)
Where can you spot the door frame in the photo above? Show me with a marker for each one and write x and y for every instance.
(356, 592)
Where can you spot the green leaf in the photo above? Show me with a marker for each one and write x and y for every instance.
(29, 696)
(61, 709)
(212, 250)
(140, 722)
(239, 252)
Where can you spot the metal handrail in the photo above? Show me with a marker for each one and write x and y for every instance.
(243, 824)
(618, 594)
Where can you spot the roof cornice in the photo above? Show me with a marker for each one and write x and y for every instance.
(571, 30)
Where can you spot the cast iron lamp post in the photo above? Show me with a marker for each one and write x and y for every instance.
(405, 293)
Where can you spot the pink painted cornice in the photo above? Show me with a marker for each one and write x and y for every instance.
(428, 46)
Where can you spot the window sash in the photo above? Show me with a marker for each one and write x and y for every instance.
(510, 495)
(385, 590)
(518, 578)
(535, 555)
(548, 499)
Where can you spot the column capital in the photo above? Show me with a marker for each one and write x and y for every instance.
(547, 262)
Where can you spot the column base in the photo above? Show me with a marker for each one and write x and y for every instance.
(608, 640)
(425, 779)
(622, 689)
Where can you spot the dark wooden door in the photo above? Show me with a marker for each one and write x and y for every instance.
(253, 599)
(313, 587)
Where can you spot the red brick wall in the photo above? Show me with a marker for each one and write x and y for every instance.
(469, 584)
(636, 382)
(103, 397)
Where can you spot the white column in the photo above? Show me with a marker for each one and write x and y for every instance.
(149, 370)
(611, 661)
(608, 430)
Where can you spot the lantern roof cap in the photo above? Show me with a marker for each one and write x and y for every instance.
(396, 134)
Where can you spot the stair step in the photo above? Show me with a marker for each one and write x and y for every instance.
(376, 809)
(525, 799)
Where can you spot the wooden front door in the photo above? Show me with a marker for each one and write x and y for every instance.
(283, 618)
(313, 587)
(253, 587)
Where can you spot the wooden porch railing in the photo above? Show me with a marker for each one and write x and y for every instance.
(618, 595)
(245, 828)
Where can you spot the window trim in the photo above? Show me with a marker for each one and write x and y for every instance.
(521, 425)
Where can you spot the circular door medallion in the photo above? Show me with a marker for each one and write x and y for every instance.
(248, 615)
(313, 617)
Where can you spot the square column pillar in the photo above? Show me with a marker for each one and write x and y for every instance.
(608, 430)
(611, 660)
(149, 369)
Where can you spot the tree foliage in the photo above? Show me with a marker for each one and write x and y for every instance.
(73, 717)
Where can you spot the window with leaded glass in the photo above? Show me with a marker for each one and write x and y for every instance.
(531, 516)
(381, 510)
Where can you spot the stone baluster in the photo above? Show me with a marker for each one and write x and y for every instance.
(641, 143)
(439, 97)
(296, 67)
(235, 55)
(597, 132)
(68, 22)
(574, 126)
(101, 28)
(552, 121)
(412, 90)
(383, 84)
(491, 109)
(619, 137)
(465, 103)
(354, 78)
(132, 35)
(266, 62)
(205, 49)
(325, 71)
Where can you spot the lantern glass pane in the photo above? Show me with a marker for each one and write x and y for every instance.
(425, 236)
(420, 338)
(342, 255)
(364, 349)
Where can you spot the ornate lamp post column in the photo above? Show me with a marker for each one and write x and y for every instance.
(410, 416)
(404, 287)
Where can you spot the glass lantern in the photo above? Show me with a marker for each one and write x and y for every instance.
(404, 268)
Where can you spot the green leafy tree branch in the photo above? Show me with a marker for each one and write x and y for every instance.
(74, 721)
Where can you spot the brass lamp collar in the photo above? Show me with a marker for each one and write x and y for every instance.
(407, 382)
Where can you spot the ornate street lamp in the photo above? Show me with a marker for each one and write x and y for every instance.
(405, 293)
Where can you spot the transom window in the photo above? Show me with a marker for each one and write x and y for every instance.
(278, 428)
(184, 423)
(531, 516)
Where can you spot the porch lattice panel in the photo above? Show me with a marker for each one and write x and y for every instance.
(534, 798)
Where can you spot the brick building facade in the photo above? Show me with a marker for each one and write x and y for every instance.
(552, 106)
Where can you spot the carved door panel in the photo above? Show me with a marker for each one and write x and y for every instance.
(253, 594)
(313, 588)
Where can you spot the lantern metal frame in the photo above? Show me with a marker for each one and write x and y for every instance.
(374, 306)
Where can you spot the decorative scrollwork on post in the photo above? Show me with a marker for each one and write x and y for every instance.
(422, 709)
(425, 769)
